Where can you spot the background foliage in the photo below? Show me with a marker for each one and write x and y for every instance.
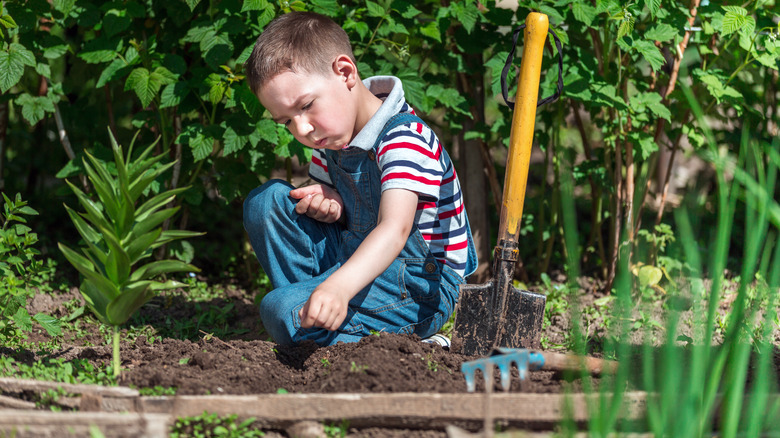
(173, 69)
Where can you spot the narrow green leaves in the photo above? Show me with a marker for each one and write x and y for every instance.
(117, 235)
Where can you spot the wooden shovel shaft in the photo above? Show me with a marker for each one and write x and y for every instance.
(522, 133)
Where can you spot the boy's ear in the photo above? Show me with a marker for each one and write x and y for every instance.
(346, 70)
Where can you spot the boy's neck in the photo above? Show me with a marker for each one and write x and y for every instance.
(368, 105)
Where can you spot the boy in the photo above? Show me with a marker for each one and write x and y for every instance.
(382, 243)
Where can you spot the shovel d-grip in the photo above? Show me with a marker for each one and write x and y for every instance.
(502, 358)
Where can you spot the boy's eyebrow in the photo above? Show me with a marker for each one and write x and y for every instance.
(295, 104)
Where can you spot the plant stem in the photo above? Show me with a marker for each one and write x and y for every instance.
(115, 341)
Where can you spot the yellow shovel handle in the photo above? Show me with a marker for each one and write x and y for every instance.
(522, 133)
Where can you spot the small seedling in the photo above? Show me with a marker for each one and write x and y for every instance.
(432, 364)
(282, 391)
(336, 430)
(158, 390)
(208, 425)
(355, 368)
(325, 362)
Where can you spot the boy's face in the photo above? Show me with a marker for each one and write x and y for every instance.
(318, 109)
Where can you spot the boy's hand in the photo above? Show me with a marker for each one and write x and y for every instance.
(319, 202)
(326, 308)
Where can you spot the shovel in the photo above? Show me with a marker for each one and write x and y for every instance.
(497, 314)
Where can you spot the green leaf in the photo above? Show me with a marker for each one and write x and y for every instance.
(254, 5)
(100, 50)
(717, 89)
(734, 19)
(374, 9)
(64, 6)
(662, 32)
(233, 141)
(645, 143)
(651, 101)
(200, 143)
(654, 6)
(626, 27)
(173, 94)
(49, 323)
(649, 275)
(467, 14)
(22, 319)
(216, 88)
(34, 108)
(153, 269)
(431, 30)
(121, 308)
(96, 299)
(141, 245)
(192, 4)
(329, 8)
(144, 84)
(650, 52)
(7, 22)
(583, 12)
(12, 62)
(117, 68)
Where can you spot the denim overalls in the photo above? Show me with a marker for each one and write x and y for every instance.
(416, 294)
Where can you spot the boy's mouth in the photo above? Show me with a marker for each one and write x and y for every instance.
(320, 143)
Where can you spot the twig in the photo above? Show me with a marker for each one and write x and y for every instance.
(3, 131)
(211, 336)
(617, 217)
(110, 110)
(63, 134)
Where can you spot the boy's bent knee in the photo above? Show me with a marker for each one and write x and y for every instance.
(270, 196)
(276, 312)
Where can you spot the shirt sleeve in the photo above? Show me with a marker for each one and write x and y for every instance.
(409, 157)
(318, 169)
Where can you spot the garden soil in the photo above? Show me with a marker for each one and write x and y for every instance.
(245, 362)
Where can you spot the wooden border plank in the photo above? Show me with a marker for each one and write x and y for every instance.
(10, 384)
(78, 424)
(398, 409)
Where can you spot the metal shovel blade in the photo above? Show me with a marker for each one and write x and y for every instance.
(481, 325)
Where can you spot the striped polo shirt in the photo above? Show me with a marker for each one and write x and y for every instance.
(411, 157)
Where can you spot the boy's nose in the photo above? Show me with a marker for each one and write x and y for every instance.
(303, 127)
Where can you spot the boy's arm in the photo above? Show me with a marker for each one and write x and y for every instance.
(327, 306)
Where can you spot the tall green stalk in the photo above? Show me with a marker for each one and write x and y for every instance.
(120, 232)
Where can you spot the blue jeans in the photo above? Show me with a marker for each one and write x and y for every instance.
(416, 294)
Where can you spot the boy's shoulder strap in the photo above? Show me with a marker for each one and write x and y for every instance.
(395, 121)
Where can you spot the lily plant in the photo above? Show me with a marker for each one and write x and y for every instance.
(120, 233)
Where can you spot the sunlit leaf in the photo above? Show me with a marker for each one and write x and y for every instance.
(12, 63)
(49, 323)
(583, 12)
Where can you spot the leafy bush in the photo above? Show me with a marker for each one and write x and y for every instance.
(119, 234)
(18, 265)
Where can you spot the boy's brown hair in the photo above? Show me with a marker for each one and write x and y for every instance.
(297, 42)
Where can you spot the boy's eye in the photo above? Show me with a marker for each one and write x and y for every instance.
(308, 105)
(286, 123)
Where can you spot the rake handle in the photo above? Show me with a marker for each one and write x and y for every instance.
(573, 362)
